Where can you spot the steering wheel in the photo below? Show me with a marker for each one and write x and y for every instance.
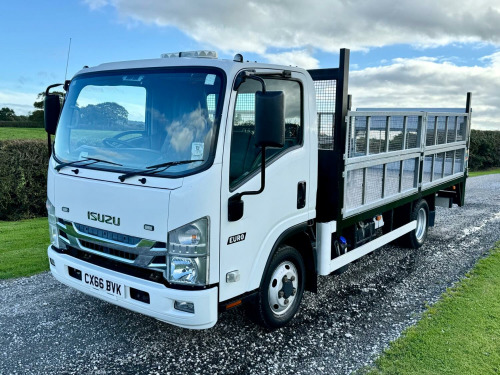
(116, 142)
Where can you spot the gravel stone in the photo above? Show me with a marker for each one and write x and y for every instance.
(46, 327)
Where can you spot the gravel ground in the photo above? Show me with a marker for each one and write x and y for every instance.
(46, 327)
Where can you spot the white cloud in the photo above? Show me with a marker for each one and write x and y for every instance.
(255, 26)
(423, 82)
(301, 58)
(96, 4)
(20, 102)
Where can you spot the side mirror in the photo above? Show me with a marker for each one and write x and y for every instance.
(51, 112)
(270, 119)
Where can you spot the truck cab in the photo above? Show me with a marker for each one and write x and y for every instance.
(147, 157)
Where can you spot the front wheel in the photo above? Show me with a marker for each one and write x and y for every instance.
(281, 289)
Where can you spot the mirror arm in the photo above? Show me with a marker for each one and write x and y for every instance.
(257, 78)
(262, 178)
(242, 77)
(51, 87)
(235, 204)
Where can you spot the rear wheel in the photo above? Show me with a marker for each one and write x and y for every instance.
(420, 213)
(281, 289)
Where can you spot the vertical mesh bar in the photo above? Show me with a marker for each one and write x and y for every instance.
(452, 125)
(426, 173)
(441, 126)
(459, 161)
(429, 139)
(325, 106)
(357, 136)
(461, 128)
(448, 162)
(374, 183)
(412, 132)
(392, 179)
(438, 166)
(377, 135)
(355, 188)
(408, 181)
(396, 133)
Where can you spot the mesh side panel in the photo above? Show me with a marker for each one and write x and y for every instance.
(211, 106)
(325, 106)
(451, 129)
(409, 181)
(377, 134)
(354, 192)
(244, 113)
(374, 183)
(438, 166)
(459, 161)
(461, 129)
(396, 133)
(392, 179)
(357, 136)
(429, 138)
(441, 127)
(426, 173)
(412, 132)
(448, 163)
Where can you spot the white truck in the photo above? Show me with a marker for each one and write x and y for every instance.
(187, 185)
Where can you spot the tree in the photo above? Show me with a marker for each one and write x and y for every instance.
(108, 115)
(7, 114)
(41, 97)
(37, 116)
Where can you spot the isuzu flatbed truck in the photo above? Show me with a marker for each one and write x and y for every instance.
(183, 186)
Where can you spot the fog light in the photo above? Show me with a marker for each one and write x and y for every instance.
(52, 262)
(184, 306)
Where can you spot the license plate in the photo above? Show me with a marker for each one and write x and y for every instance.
(100, 283)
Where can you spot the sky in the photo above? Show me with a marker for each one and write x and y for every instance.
(417, 54)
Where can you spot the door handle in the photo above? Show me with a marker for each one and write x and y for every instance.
(301, 195)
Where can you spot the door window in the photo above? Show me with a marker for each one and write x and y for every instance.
(245, 156)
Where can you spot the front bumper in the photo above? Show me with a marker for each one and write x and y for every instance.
(161, 305)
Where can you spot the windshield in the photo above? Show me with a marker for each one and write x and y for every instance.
(135, 119)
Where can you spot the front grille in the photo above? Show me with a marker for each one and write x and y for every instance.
(107, 235)
(108, 250)
(162, 259)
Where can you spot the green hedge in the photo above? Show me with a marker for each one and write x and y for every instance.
(23, 178)
(484, 150)
(21, 124)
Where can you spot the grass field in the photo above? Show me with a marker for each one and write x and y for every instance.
(458, 335)
(23, 247)
(481, 173)
(22, 133)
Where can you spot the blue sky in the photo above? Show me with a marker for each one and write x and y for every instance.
(398, 56)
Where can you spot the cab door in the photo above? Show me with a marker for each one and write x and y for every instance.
(246, 243)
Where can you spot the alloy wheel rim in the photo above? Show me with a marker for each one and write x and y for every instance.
(282, 290)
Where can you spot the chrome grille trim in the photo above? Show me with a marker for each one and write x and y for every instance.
(140, 254)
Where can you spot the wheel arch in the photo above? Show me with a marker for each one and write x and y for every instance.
(298, 238)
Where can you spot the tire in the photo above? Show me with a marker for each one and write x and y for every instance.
(281, 289)
(420, 213)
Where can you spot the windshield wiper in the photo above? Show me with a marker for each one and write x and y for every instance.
(87, 161)
(153, 169)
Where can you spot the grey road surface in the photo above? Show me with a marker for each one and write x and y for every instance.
(46, 327)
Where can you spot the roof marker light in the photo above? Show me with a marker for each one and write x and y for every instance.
(197, 54)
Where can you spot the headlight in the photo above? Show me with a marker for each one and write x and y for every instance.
(53, 231)
(188, 253)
